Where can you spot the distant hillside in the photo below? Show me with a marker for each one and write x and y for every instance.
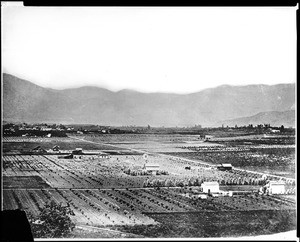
(275, 118)
(26, 102)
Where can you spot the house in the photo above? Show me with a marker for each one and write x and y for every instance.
(276, 187)
(275, 131)
(210, 187)
(224, 167)
(55, 148)
(77, 151)
(151, 167)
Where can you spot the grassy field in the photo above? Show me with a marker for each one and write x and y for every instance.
(67, 144)
(217, 224)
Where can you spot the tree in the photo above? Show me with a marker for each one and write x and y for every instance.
(169, 183)
(52, 222)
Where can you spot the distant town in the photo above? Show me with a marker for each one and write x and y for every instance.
(60, 130)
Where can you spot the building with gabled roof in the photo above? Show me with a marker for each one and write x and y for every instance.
(225, 167)
(210, 187)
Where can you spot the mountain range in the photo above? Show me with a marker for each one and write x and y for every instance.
(23, 101)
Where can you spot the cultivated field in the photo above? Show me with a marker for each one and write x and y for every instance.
(113, 191)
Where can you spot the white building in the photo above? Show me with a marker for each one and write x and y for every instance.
(276, 187)
(151, 167)
(209, 187)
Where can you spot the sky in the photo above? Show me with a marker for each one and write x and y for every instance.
(149, 49)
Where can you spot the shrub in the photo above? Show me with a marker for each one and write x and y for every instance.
(52, 222)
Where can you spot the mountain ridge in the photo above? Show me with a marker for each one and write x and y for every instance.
(23, 100)
(276, 118)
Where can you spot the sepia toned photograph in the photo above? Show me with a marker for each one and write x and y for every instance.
(141, 123)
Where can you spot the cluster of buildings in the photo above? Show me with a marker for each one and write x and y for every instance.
(213, 189)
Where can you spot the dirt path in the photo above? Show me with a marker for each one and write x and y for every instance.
(93, 228)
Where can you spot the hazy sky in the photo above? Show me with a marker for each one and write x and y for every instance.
(147, 49)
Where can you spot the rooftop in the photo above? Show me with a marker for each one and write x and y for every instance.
(277, 183)
(210, 183)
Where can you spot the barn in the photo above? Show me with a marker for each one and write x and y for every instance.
(210, 187)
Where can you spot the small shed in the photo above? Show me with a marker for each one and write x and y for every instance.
(276, 187)
(202, 196)
(210, 187)
(225, 167)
